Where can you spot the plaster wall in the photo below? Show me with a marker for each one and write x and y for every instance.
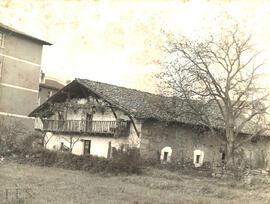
(99, 145)
(17, 101)
(19, 76)
(23, 48)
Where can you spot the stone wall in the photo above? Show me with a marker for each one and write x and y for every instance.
(184, 140)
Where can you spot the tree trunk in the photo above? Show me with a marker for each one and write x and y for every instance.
(230, 146)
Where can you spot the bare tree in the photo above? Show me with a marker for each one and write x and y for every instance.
(72, 140)
(217, 82)
(46, 139)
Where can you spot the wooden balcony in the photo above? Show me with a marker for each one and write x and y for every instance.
(113, 128)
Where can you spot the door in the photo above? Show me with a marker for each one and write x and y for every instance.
(87, 146)
(88, 122)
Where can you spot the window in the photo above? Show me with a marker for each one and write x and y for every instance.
(87, 146)
(165, 156)
(166, 153)
(198, 159)
(2, 40)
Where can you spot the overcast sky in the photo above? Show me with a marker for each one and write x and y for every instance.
(117, 41)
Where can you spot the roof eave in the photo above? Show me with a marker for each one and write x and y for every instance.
(17, 32)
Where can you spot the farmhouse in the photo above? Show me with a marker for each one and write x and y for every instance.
(88, 117)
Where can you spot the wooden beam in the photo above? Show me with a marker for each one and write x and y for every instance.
(113, 113)
(133, 123)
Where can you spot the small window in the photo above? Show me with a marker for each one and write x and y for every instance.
(165, 156)
(198, 159)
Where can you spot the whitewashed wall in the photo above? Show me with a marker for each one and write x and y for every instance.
(99, 144)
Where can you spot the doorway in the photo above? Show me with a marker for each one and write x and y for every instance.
(87, 146)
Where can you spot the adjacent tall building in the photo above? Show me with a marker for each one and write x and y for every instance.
(20, 67)
(48, 87)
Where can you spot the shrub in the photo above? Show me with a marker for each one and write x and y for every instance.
(125, 161)
(10, 132)
(122, 161)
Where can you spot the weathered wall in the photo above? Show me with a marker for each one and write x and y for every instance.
(19, 78)
(184, 140)
(16, 101)
(44, 94)
(257, 153)
(23, 48)
(20, 74)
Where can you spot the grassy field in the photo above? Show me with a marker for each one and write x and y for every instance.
(53, 185)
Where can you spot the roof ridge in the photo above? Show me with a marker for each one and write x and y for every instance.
(119, 86)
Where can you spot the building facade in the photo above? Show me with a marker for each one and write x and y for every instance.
(48, 86)
(90, 117)
(20, 65)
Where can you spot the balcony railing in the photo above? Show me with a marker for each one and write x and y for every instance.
(117, 128)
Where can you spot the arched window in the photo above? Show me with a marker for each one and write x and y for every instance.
(166, 153)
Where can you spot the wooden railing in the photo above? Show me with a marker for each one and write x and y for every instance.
(120, 128)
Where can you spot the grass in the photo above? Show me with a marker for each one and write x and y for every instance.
(57, 186)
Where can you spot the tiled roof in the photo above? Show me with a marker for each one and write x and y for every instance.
(138, 103)
(53, 84)
(145, 105)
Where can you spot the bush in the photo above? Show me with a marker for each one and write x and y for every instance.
(122, 161)
(15, 139)
(125, 161)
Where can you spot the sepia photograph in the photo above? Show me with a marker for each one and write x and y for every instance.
(134, 101)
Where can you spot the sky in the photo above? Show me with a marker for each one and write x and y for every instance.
(118, 42)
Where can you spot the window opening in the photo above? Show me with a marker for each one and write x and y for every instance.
(165, 156)
(87, 146)
(198, 159)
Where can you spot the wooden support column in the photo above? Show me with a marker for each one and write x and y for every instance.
(133, 123)
(113, 112)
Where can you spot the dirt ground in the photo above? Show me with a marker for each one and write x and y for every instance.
(54, 185)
